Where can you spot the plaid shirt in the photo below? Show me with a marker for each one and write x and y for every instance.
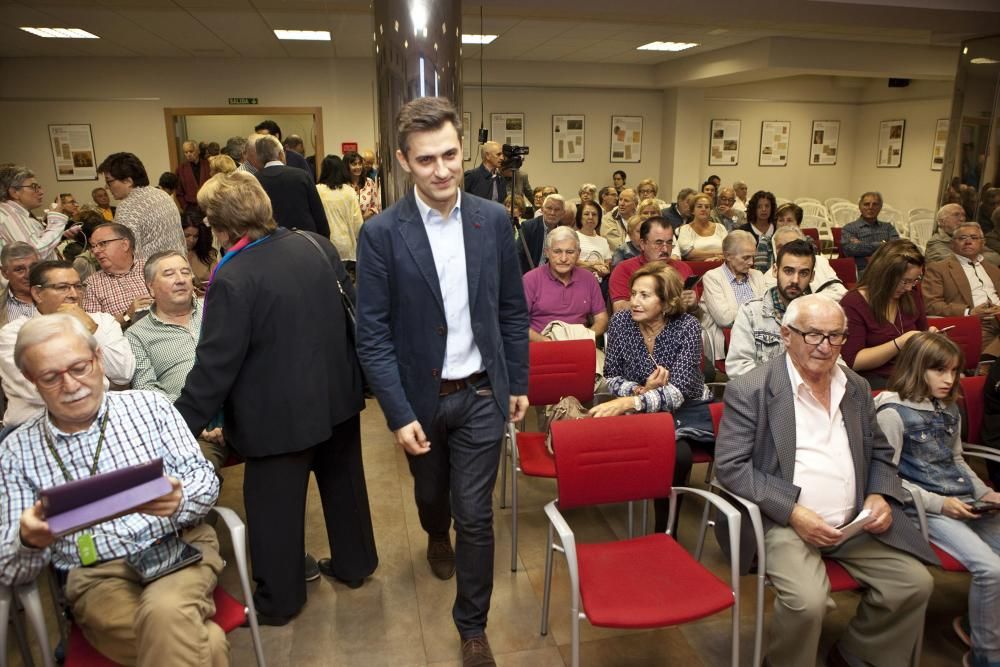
(114, 292)
(860, 240)
(741, 288)
(142, 426)
(15, 308)
(164, 352)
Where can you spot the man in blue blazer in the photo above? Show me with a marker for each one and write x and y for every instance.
(485, 180)
(443, 338)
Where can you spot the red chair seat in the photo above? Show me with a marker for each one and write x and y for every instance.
(948, 562)
(699, 455)
(840, 578)
(661, 585)
(534, 455)
(229, 615)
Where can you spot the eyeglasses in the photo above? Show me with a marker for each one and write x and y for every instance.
(726, 200)
(52, 379)
(102, 245)
(34, 187)
(63, 288)
(661, 243)
(966, 237)
(911, 282)
(817, 337)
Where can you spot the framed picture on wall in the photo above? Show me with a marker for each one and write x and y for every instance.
(567, 138)
(823, 142)
(73, 152)
(626, 138)
(890, 143)
(507, 128)
(724, 143)
(940, 143)
(466, 136)
(774, 143)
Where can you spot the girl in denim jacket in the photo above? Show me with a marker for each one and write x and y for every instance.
(920, 418)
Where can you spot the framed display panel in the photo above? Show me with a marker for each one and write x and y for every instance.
(890, 143)
(73, 152)
(466, 136)
(724, 142)
(774, 136)
(940, 143)
(507, 128)
(626, 139)
(824, 141)
(568, 139)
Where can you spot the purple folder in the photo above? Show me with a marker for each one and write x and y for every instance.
(84, 502)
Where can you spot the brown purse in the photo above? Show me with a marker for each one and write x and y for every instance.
(568, 407)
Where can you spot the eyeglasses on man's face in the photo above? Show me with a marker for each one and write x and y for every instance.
(103, 245)
(968, 237)
(34, 187)
(815, 338)
(63, 288)
(79, 371)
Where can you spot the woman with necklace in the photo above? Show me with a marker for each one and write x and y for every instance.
(884, 311)
(701, 240)
(653, 364)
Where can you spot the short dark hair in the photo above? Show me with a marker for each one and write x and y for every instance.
(579, 213)
(648, 223)
(270, 126)
(292, 141)
(125, 165)
(333, 172)
(41, 270)
(168, 180)
(234, 148)
(791, 207)
(119, 229)
(619, 172)
(425, 114)
(799, 248)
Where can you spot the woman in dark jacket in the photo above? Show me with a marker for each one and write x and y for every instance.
(277, 355)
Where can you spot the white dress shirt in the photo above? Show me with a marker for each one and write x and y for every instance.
(824, 466)
(23, 400)
(461, 356)
(983, 289)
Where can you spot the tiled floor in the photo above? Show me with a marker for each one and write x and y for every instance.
(402, 615)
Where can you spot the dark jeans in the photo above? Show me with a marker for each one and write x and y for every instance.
(456, 479)
(274, 492)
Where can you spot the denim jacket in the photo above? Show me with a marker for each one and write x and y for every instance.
(927, 438)
(755, 337)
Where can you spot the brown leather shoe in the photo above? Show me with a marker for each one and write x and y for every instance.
(441, 557)
(476, 652)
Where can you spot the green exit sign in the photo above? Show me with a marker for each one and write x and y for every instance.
(243, 100)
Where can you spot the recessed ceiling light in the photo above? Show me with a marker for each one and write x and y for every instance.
(984, 61)
(304, 35)
(61, 33)
(477, 39)
(666, 46)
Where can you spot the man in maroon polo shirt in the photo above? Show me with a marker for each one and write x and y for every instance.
(560, 290)
(656, 240)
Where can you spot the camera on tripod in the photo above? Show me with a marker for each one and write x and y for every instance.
(513, 156)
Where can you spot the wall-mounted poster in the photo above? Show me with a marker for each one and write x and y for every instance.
(567, 138)
(626, 138)
(73, 152)
(466, 136)
(774, 143)
(507, 128)
(940, 142)
(890, 143)
(824, 141)
(724, 143)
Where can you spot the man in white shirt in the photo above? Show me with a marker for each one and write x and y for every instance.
(56, 287)
(20, 194)
(799, 438)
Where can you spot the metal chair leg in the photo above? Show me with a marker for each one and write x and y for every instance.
(513, 520)
(547, 593)
(630, 522)
(504, 458)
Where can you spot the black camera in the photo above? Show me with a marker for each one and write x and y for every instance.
(513, 156)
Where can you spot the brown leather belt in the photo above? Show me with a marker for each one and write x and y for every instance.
(451, 386)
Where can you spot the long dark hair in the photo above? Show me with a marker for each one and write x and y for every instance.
(752, 206)
(349, 158)
(203, 246)
(334, 173)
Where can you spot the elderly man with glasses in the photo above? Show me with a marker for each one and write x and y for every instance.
(119, 287)
(56, 288)
(725, 212)
(21, 193)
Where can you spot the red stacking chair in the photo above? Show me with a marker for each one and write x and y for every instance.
(556, 369)
(812, 233)
(720, 364)
(700, 268)
(837, 233)
(643, 582)
(971, 404)
(967, 334)
(846, 269)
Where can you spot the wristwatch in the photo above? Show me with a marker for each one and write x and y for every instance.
(126, 318)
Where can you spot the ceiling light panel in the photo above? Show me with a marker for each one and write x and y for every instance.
(477, 39)
(303, 35)
(666, 46)
(61, 33)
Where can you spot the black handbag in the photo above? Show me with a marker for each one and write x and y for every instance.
(344, 299)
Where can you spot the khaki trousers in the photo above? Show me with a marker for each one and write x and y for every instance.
(883, 632)
(164, 623)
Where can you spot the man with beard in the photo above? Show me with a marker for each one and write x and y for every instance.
(756, 332)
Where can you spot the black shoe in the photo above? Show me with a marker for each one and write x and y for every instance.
(312, 570)
(263, 619)
(326, 567)
(441, 556)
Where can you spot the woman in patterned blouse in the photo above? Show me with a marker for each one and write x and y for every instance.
(368, 194)
(653, 358)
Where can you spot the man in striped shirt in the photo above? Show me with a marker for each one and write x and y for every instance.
(21, 193)
(84, 431)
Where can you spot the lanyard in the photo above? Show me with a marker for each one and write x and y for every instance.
(97, 454)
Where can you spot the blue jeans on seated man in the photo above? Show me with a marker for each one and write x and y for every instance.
(976, 545)
(456, 479)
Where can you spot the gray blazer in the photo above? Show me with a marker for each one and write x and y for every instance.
(755, 454)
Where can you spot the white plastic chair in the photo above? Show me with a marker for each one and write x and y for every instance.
(807, 200)
(815, 209)
(832, 201)
(918, 213)
(920, 232)
(842, 214)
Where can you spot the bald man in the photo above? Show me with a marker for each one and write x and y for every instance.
(485, 181)
(191, 173)
(949, 217)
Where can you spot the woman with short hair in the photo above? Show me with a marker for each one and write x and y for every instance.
(701, 239)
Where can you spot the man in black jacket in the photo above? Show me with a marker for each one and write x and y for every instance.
(485, 181)
(293, 194)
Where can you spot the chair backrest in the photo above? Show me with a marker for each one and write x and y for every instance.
(699, 268)
(815, 208)
(810, 231)
(833, 201)
(807, 200)
(613, 459)
(920, 213)
(843, 214)
(972, 400)
(561, 368)
(967, 334)
(838, 233)
(716, 410)
(846, 269)
(920, 231)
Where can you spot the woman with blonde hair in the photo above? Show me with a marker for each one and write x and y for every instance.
(701, 239)
(221, 164)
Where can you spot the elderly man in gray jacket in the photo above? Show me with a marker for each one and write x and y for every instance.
(799, 438)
